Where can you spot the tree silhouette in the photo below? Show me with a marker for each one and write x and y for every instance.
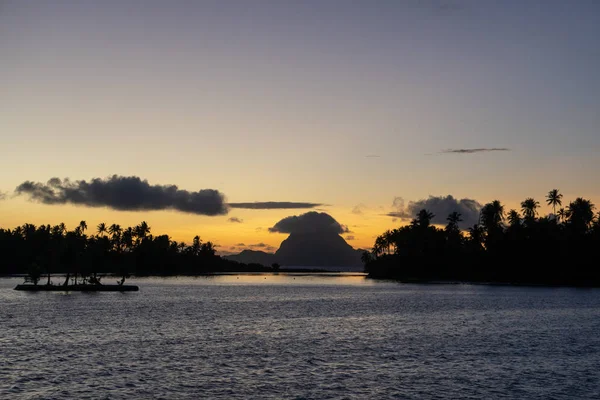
(529, 208)
(529, 252)
(492, 215)
(581, 213)
(101, 229)
(30, 249)
(561, 215)
(423, 219)
(514, 219)
(554, 198)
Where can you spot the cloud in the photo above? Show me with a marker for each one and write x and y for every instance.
(471, 151)
(236, 220)
(258, 245)
(261, 246)
(131, 193)
(349, 237)
(441, 207)
(2, 195)
(272, 205)
(359, 209)
(372, 156)
(240, 244)
(128, 193)
(311, 222)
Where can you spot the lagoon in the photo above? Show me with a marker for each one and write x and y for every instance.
(300, 336)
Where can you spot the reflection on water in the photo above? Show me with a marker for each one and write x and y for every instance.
(273, 336)
(297, 278)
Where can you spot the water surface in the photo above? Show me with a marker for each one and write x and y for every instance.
(300, 337)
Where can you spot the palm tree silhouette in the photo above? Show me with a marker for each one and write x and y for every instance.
(554, 198)
(423, 219)
(529, 207)
(454, 218)
(514, 218)
(476, 236)
(101, 228)
(562, 214)
(82, 227)
(581, 213)
(492, 215)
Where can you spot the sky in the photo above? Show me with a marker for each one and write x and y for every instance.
(354, 106)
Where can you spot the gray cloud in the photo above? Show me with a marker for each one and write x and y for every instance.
(359, 209)
(124, 193)
(471, 151)
(441, 207)
(372, 156)
(131, 193)
(2, 195)
(261, 246)
(271, 205)
(235, 220)
(350, 237)
(240, 244)
(311, 222)
(258, 245)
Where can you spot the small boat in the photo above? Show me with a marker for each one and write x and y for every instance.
(77, 288)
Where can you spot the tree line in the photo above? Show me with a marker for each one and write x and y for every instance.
(509, 247)
(40, 251)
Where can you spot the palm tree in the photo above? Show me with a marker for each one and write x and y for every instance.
(562, 214)
(115, 230)
(423, 219)
(514, 218)
(115, 235)
(492, 215)
(101, 229)
(81, 228)
(141, 231)
(581, 213)
(553, 198)
(454, 218)
(529, 207)
(476, 237)
(388, 240)
(127, 238)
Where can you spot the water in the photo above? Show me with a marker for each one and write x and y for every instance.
(300, 337)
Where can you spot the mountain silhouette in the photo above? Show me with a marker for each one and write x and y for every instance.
(326, 250)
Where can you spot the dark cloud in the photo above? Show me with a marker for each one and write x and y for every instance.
(271, 205)
(349, 237)
(258, 245)
(131, 193)
(262, 246)
(125, 193)
(236, 220)
(311, 222)
(240, 244)
(359, 209)
(2, 195)
(471, 151)
(441, 207)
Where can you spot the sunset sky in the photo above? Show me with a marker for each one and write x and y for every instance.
(345, 104)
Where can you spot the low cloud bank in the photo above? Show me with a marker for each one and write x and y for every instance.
(131, 193)
(440, 206)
